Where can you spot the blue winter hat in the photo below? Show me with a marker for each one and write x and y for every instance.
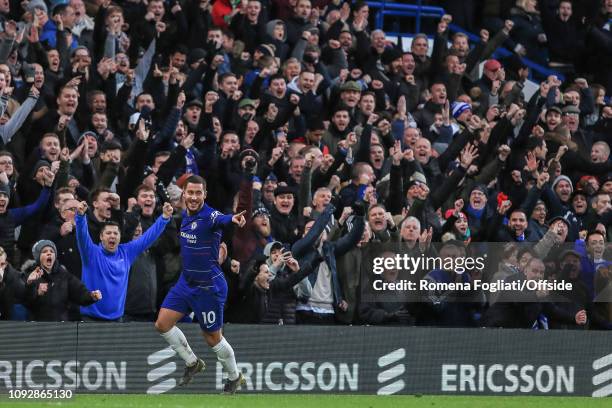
(459, 107)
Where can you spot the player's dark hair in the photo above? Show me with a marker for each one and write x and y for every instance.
(195, 179)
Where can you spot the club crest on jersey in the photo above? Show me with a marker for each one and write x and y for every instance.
(194, 225)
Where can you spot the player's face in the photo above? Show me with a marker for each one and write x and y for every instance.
(194, 195)
(110, 238)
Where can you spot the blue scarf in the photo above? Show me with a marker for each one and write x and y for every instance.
(475, 213)
(191, 165)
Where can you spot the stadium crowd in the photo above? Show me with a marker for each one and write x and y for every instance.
(326, 133)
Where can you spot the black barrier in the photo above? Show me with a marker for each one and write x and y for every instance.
(133, 358)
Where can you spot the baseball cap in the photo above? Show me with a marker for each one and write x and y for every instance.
(350, 86)
(492, 65)
(246, 102)
(280, 190)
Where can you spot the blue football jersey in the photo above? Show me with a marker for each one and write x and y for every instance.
(200, 237)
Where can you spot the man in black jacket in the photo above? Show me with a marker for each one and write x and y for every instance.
(61, 231)
(268, 297)
(282, 218)
(518, 309)
(298, 23)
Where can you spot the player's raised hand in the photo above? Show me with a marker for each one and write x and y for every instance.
(239, 219)
(168, 210)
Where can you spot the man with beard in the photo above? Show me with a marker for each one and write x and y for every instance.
(339, 128)
(557, 199)
(517, 229)
(298, 22)
(600, 211)
(249, 241)
(563, 188)
(391, 61)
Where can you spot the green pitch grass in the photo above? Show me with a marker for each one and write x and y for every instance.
(307, 401)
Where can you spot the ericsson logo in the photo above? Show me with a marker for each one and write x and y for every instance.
(162, 371)
(391, 372)
(605, 364)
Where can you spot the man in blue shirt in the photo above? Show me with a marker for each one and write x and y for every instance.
(106, 265)
(201, 288)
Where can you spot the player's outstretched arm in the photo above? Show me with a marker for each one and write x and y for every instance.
(239, 219)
